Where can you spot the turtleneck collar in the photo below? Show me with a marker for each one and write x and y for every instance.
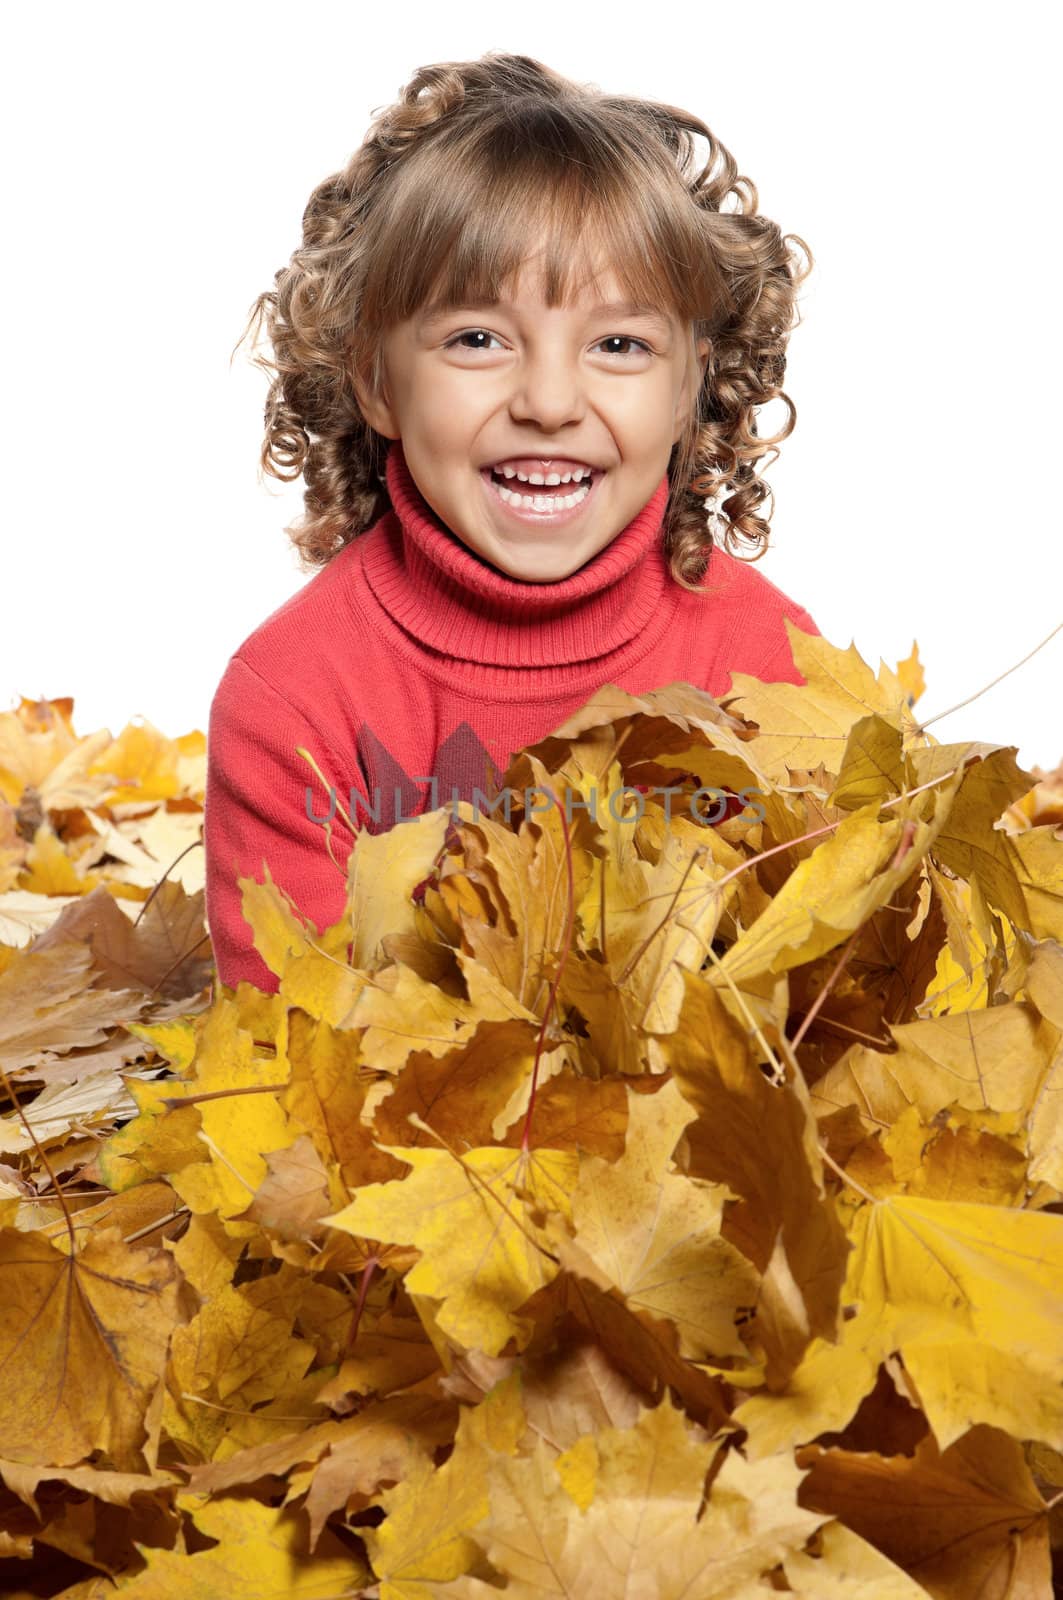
(455, 602)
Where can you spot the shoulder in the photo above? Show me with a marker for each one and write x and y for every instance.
(742, 583)
(299, 623)
(305, 676)
(273, 692)
(738, 623)
(309, 640)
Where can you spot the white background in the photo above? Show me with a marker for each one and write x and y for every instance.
(158, 160)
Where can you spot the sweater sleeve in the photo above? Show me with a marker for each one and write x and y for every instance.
(782, 668)
(256, 811)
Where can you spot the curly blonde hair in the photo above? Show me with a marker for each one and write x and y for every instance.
(434, 207)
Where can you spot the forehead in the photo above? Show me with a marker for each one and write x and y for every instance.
(598, 293)
(437, 311)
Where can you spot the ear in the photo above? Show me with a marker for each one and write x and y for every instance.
(376, 409)
(685, 404)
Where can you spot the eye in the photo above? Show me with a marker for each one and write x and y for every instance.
(470, 333)
(624, 338)
(476, 333)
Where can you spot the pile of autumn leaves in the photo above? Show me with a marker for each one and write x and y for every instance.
(612, 1206)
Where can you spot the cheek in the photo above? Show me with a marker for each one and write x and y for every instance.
(644, 409)
(448, 400)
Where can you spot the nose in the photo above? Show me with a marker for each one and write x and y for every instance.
(547, 390)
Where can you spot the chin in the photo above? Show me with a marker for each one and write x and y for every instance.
(542, 574)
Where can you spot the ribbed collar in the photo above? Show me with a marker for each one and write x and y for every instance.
(454, 601)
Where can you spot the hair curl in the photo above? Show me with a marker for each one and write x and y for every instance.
(434, 206)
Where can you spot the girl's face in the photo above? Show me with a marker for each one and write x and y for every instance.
(592, 382)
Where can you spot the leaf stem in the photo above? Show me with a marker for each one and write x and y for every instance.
(922, 726)
(773, 850)
(634, 959)
(480, 1183)
(175, 1101)
(160, 1222)
(845, 1177)
(566, 946)
(165, 875)
(836, 972)
(363, 1289)
(45, 1163)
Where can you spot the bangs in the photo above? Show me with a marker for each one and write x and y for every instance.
(466, 212)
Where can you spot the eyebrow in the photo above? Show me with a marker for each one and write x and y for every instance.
(437, 311)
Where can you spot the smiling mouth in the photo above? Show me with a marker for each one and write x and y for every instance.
(542, 504)
(526, 496)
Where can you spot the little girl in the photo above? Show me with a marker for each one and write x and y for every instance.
(520, 344)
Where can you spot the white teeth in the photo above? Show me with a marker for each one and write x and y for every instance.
(543, 502)
(570, 475)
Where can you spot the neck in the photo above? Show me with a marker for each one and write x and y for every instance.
(456, 602)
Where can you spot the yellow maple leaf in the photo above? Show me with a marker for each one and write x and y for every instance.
(965, 1520)
(848, 1568)
(462, 1093)
(787, 1226)
(237, 1128)
(964, 1161)
(113, 1488)
(143, 761)
(971, 1297)
(804, 725)
(382, 872)
(830, 893)
(526, 870)
(1020, 874)
(283, 939)
(32, 746)
(994, 1057)
(237, 1353)
(872, 765)
(383, 1441)
(402, 1012)
(393, 1353)
(911, 676)
(656, 1235)
(641, 1533)
(1044, 985)
(258, 1555)
(425, 1537)
(83, 1341)
(161, 1139)
(327, 1095)
(482, 1254)
(49, 869)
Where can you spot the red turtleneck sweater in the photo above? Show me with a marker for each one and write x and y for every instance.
(408, 656)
